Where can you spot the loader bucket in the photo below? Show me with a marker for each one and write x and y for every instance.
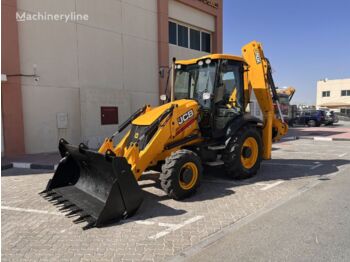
(101, 189)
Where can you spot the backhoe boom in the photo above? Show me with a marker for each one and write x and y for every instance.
(261, 82)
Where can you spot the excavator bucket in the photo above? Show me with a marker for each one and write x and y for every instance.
(101, 189)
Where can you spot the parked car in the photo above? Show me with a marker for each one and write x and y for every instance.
(311, 118)
(331, 118)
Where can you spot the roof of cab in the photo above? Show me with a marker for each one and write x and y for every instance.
(211, 56)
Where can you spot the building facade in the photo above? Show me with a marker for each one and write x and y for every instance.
(334, 94)
(80, 79)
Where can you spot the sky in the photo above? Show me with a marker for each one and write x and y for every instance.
(305, 40)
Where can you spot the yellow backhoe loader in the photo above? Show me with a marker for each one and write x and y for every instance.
(203, 122)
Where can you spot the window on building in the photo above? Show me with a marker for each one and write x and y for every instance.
(172, 33)
(195, 39)
(205, 42)
(189, 37)
(345, 93)
(326, 93)
(345, 111)
(182, 35)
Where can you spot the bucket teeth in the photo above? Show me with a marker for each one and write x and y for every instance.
(43, 192)
(55, 198)
(73, 213)
(60, 202)
(67, 206)
(80, 219)
(50, 194)
(91, 224)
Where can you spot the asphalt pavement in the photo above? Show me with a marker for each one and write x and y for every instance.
(314, 226)
(225, 220)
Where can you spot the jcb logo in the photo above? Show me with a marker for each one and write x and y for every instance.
(257, 56)
(182, 119)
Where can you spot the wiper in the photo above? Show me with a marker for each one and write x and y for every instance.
(206, 86)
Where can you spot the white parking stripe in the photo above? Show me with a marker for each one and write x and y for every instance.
(21, 165)
(320, 138)
(316, 166)
(269, 186)
(173, 227)
(308, 153)
(341, 155)
(145, 222)
(286, 164)
(31, 210)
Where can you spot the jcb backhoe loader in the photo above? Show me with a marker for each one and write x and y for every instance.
(204, 123)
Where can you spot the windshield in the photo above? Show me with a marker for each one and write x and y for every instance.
(283, 99)
(191, 81)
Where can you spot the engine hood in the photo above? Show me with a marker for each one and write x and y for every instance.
(152, 115)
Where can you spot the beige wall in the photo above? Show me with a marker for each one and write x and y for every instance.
(40, 107)
(191, 16)
(335, 87)
(183, 53)
(109, 60)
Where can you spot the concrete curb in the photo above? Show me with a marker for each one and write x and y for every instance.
(315, 138)
(29, 166)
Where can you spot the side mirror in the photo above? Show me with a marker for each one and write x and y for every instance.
(206, 96)
(163, 97)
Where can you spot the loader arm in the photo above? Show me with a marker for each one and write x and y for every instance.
(155, 134)
(259, 79)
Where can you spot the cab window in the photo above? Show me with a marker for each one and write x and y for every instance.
(231, 78)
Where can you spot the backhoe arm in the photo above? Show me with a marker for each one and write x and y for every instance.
(259, 79)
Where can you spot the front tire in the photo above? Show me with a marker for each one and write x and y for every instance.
(242, 156)
(181, 174)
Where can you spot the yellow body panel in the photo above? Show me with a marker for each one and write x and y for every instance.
(256, 76)
(172, 129)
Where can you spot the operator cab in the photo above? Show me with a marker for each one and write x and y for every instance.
(216, 83)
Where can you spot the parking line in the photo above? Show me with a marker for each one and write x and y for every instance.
(21, 165)
(28, 210)
(145, 222)
(320, 138)
(305, 152)
(269, 186)
(341, 155)
(286, 164)
(173, 227)
(316, 166)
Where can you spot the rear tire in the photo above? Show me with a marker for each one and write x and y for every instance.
(181, 174)
(242, 156)
(311, 123)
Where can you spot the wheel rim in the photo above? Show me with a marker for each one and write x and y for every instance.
(249, 152)
(188, 175)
